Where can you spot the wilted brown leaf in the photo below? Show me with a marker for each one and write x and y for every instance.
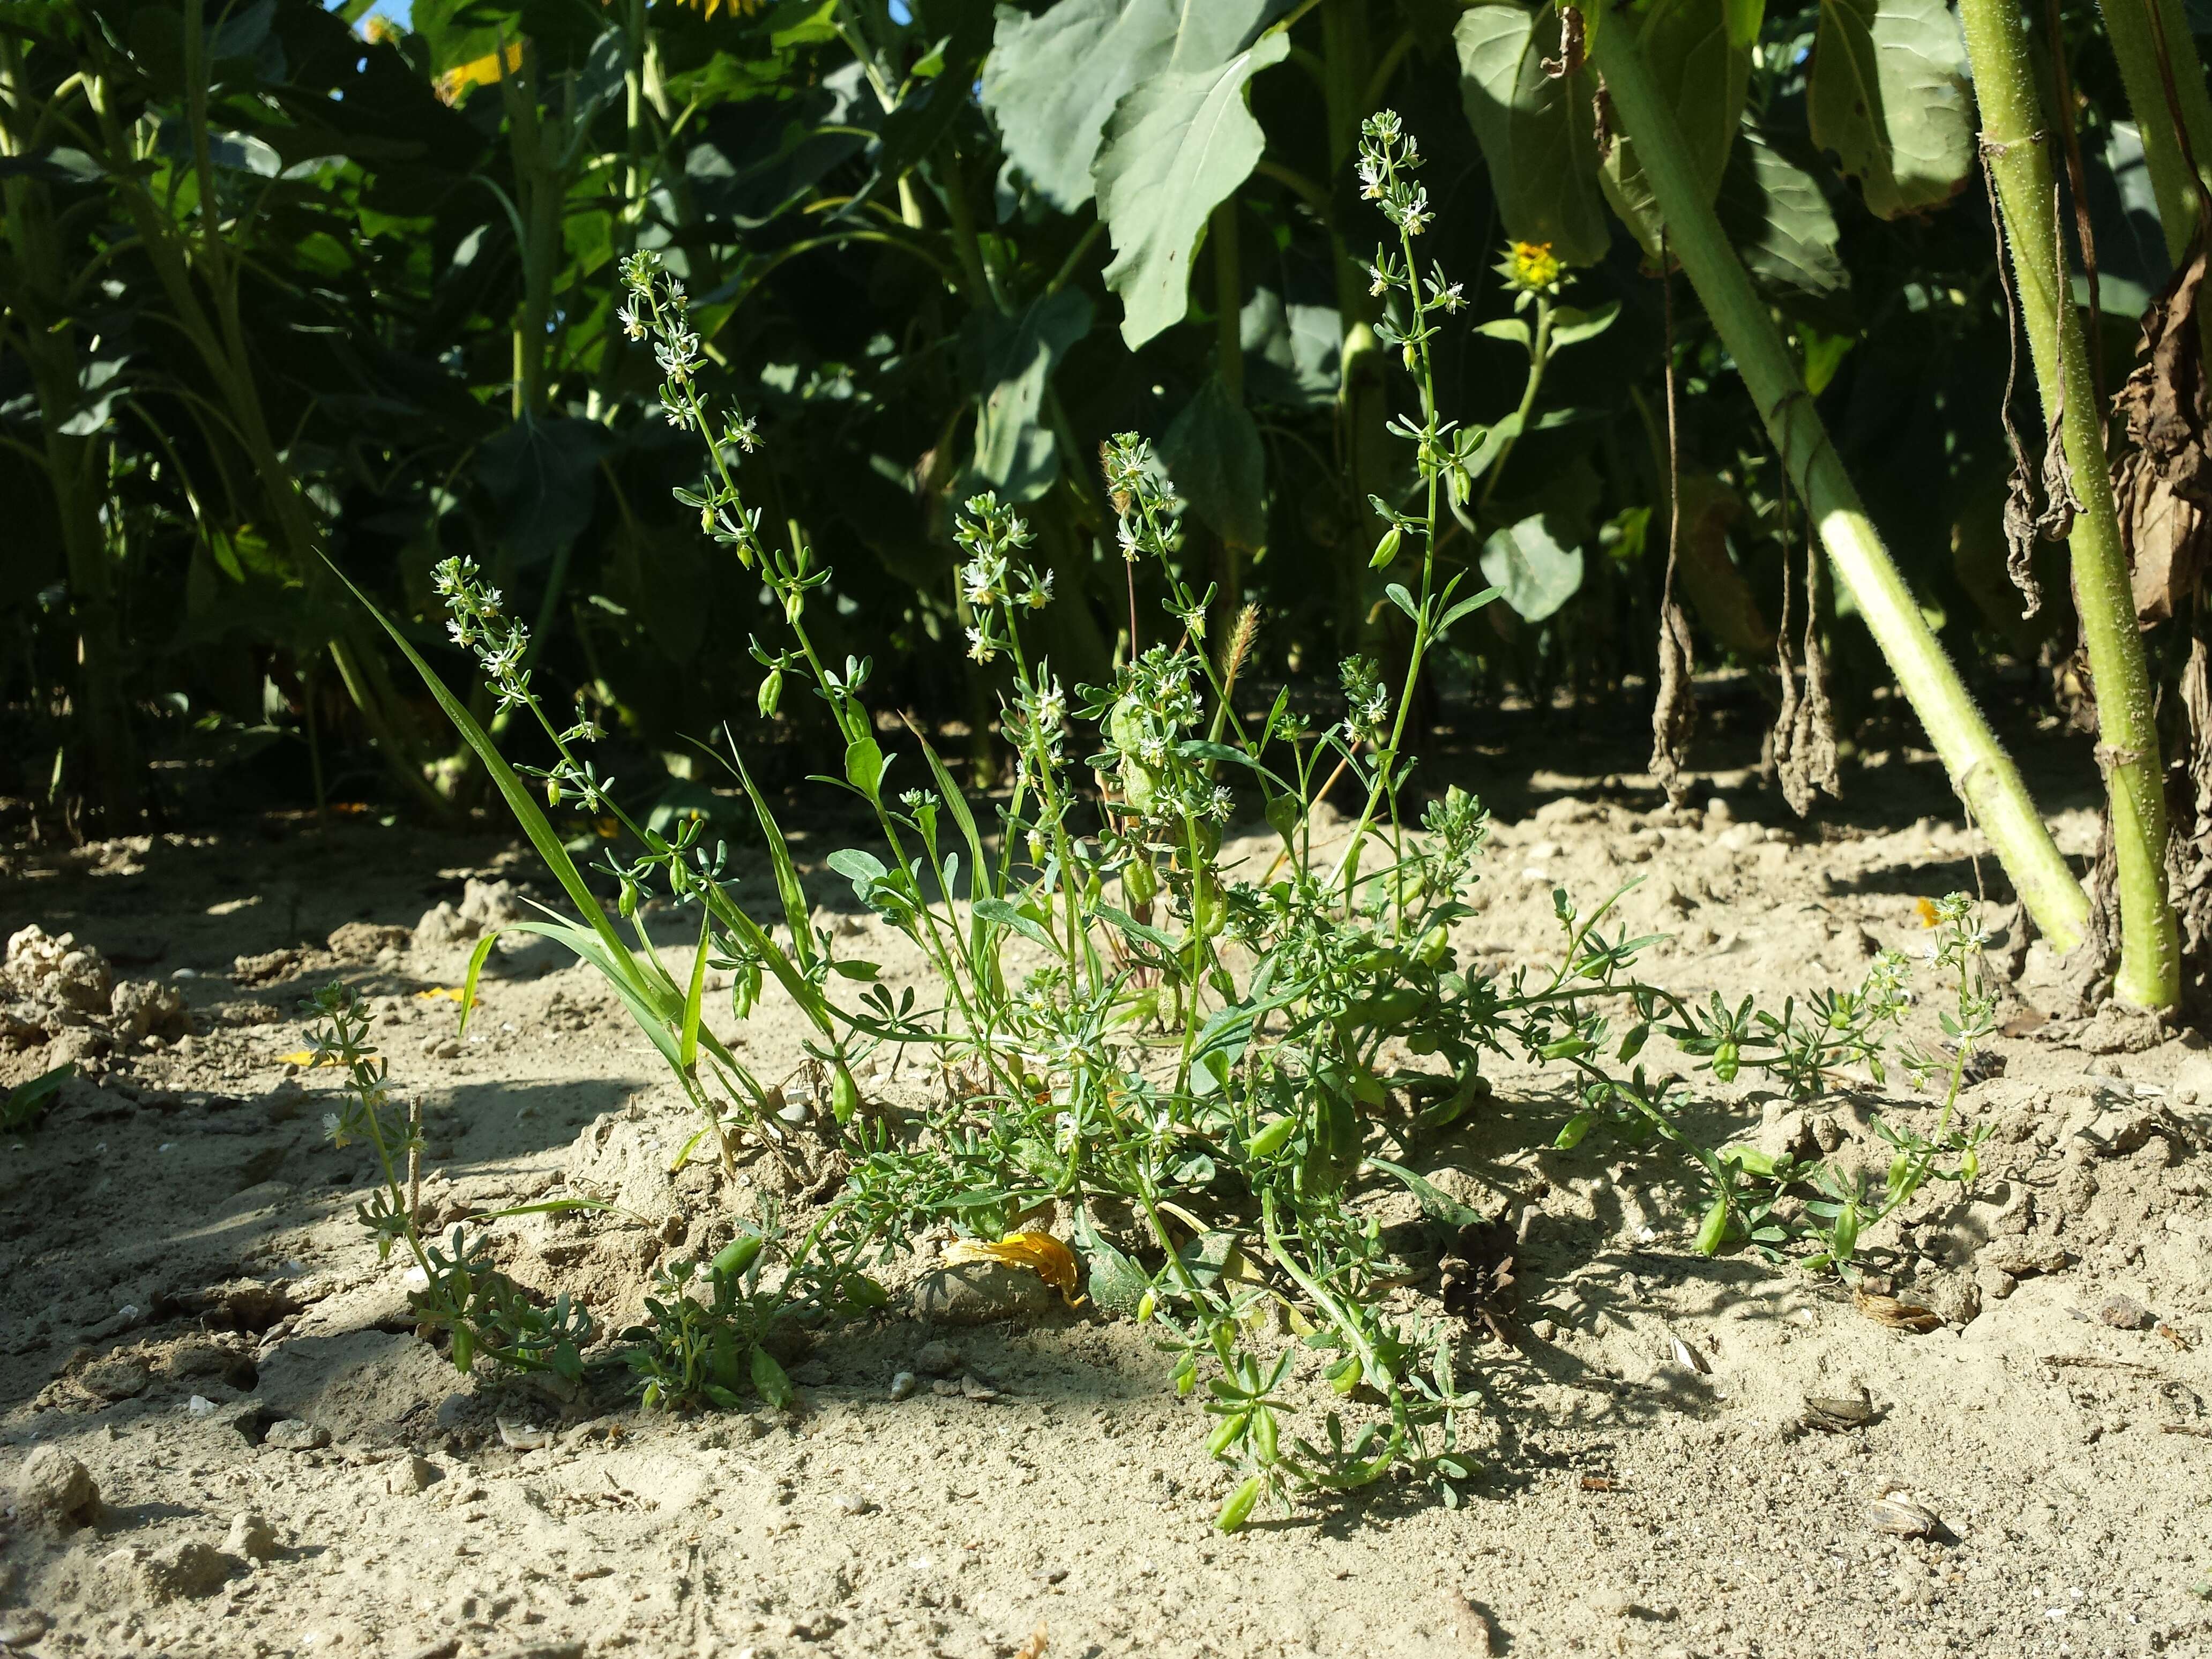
(2163, 489)
(1897, 1315)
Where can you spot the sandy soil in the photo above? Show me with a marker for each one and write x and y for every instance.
(188, 1307)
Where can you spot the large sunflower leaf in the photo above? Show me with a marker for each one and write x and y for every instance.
(1889, 95)
(1526, 563)
(1175, 148)
(1537, 133)
(1053, 80)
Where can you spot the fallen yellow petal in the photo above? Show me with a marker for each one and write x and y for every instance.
(1041, 1253)
(306, 1057)
(451, 993)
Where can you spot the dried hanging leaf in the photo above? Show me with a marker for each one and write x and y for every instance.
(2165, 488)
(2019, 531)
(2164, 535)
(2164, 400)
(2060, 503)
(1041, 1253)
(2188, 740)
(1674, 712)
(1805, 759)
(2021, 516)
(1675, 715)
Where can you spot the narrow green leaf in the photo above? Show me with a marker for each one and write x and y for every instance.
(1002, 913)
(1435, 1204)
(478, 957)
(687, 1053)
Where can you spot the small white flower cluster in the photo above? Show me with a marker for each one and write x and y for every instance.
(656, 306)
(1387, 153)
(1149, 513)
(989, 533)
(1367, 699)
(475, 622)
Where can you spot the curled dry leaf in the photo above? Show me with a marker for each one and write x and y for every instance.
(1840, 1413)
(1896, 1315)
(1041, 1253)
(1035, 1646)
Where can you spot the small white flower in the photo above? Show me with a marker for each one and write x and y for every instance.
(980, 647)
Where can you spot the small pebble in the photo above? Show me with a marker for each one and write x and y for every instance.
(291, 1434)
(851, 1503)
(411, 1474)
(524, 1436)
(937, 1359)
(200, 1406)
(2124, 1313)
(250, 1536)
(902, 1385)
(55, 1487)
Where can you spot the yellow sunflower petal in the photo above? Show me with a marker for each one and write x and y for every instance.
(1041, 1253)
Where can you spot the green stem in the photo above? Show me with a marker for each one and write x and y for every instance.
(2013, 129)
(1539, 354)
(1980, 770)
(2134, 34)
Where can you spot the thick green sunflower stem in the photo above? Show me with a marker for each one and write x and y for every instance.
(1981, 772)
(2014, 142)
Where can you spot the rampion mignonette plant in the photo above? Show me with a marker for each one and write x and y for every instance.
(1226, 1053)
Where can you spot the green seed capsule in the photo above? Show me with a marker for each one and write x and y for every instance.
(1145, 1304)
(734, 1257)
(1386, 549)
(1238, 1510)
(1714, 1229)
(1263, 1437)
(771, 692)
(1227, 1433)
(844, 1096)
(1272, 1139)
